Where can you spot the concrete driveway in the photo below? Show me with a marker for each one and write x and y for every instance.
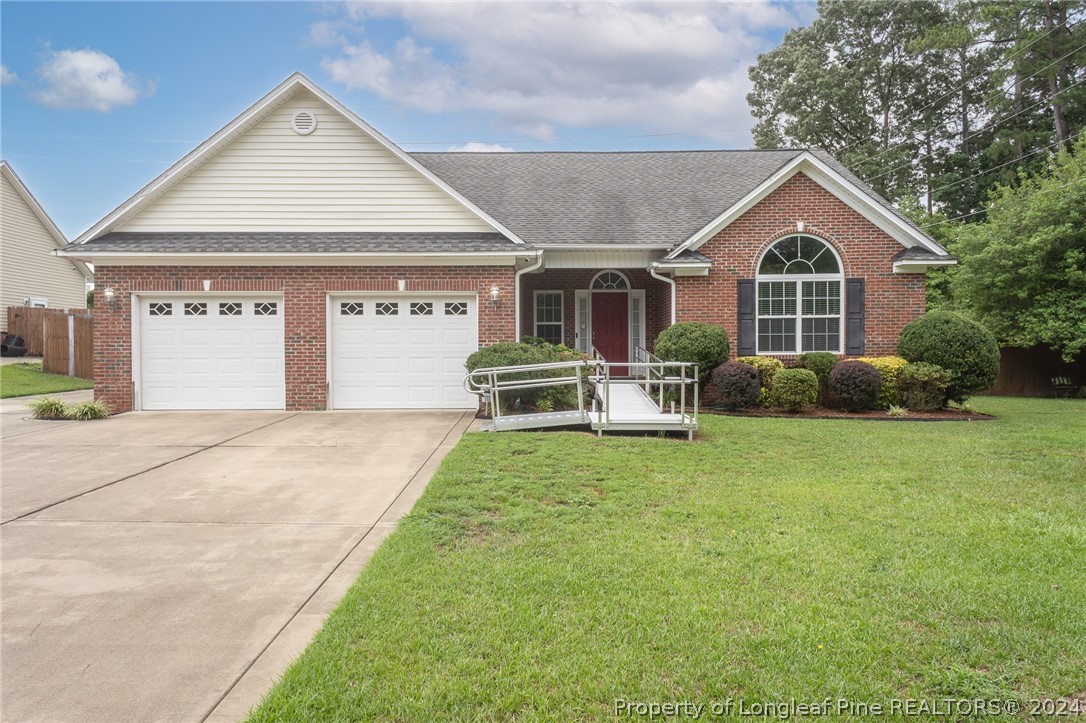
(168, 566)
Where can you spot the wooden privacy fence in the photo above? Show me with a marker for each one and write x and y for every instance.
(63, 339)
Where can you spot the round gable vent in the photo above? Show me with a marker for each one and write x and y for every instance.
(303, 122)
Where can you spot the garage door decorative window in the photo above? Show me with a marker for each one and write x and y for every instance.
(388, 308)
(230, 308)
(456, 308)
(160, 308)
(265, 308)
(351, 308)
(195, 308)
(422, 308)
(799, 314)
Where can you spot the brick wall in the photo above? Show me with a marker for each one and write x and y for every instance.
(657, 298)
(304, 315)
(892, 300)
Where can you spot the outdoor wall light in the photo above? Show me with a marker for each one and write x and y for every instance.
(494, 292)
(110, 296)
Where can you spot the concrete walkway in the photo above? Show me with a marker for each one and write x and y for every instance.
(168, 566)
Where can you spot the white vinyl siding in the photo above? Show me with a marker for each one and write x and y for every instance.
(336, 178)
(29, 268)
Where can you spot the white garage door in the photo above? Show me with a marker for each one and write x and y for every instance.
(211, 353)
(401, 352)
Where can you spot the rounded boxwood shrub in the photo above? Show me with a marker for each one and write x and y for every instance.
(819, 362)
(855, 385)
(890, 368)
(967, 351)
(922, 387)
(738, 385)
(511, 353)
(793, 389)
(694, 341)
(767, 366)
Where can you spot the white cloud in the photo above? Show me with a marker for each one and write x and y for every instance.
(664, 66)
(6, 76)
(87, 80)
(478, 147)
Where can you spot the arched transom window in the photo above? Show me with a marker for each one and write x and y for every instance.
(799, 297)
(610, 281)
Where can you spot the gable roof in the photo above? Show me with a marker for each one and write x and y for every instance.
(662, 199)
(36, 208)
(250, 117)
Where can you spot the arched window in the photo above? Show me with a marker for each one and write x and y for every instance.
(799, 297)
(610, 281)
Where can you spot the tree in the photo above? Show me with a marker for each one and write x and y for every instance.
(1023, 270)
(853, 84)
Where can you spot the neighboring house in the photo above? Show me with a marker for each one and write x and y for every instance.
(31, 275)
(299, 259)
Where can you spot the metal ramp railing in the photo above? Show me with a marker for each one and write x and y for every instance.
(650, 396)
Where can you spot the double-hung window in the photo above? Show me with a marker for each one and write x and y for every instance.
(548, 316)
(799, 289)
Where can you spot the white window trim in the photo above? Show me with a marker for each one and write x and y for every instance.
(535, 313)
(639, 340)
(581, 341)
(592, 284)
(798, 279)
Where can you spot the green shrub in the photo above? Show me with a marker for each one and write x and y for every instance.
(694, 341)
(738, 385)
(793, 389)
(897, 412)
(767, 367)
(890, 368)
(520, 353)
(967, 351)
(85, 411)
(855, 385)
(819, 362)
(49, 408)
(922, 387)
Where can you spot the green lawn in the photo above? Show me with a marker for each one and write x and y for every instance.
(542, 576)
(21, 380)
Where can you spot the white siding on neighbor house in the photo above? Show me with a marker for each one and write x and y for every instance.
(28, 266)
(337, 178)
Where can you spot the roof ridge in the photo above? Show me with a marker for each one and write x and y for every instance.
(614, 153)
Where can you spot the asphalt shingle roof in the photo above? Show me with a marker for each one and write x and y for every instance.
(290, 242)
(657, 198)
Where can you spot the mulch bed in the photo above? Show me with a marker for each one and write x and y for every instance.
(943, 415)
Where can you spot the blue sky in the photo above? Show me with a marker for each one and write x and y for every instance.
(99, 98)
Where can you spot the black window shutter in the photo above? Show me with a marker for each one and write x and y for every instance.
(854, 317)
(747, 332)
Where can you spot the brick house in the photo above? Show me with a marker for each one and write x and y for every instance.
(299, 259)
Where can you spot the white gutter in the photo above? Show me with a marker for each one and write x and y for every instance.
(516, 293)
(653, 274)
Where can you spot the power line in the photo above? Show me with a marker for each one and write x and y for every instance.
(949, 93)
(869, 179)
(1002, 165)
(985, 210)
(983, 102)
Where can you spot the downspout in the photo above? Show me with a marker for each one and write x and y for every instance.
(516, 292)
(653, 274)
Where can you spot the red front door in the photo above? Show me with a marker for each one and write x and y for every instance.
(611, 327)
